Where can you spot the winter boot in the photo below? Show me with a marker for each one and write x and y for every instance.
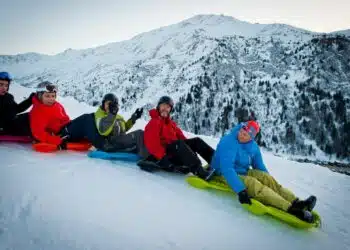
(307, 204)
(303, 215)
(203, 173)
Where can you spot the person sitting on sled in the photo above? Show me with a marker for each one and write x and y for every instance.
(48, 117)
(235, 154)
(106, 129)
(169, 147)
(10, 122)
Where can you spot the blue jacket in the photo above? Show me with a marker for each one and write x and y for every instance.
(233, 158)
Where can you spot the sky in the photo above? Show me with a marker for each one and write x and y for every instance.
(52, 26)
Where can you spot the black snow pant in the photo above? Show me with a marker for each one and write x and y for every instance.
(184, 152)
(84, 127)
(20, 126)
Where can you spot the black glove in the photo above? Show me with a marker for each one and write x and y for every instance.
(244, 198)
(113, 108)
(137, 114)
(165, 163)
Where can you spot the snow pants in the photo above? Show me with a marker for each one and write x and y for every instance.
(20, 126)
(83, 127)
(264, 188)
(184, 152)
(130, 142)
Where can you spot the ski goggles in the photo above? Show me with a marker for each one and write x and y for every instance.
(249, 129)
(48, 88)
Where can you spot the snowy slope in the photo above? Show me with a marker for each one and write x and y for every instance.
(69, 201)
(220, 71)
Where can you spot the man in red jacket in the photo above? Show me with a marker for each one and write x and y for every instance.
(48, 117)
(168, 145)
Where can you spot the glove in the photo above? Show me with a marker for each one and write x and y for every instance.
(113, 108)
(165, 162)
(137, 114)
(244, 198)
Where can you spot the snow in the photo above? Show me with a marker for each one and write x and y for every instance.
(69, 201)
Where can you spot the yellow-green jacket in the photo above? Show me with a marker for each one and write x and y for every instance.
(110, 125)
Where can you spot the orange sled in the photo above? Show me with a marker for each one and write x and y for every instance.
(49, 148)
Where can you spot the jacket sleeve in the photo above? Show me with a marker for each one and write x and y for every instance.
(107, 123)
(152, 139)
(129, 124)
(227, 154)
(65, 117)
(180, 135)
(258, 162)
(24, 105)
(38, 127)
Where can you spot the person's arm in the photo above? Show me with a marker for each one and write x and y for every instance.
(152, 139)
(24, 105)
(65, 117)
(38, 127)
(106, 124)
(129, 124)
(258, 162)
(227, 156)
(180, 135)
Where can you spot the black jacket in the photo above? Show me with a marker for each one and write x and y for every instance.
(9, 109)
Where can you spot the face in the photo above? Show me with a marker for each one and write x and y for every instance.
(164, 110)
(48, 98)
(4, 87)
(106, 107)
(243, 136)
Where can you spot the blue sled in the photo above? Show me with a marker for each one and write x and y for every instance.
(114, 156)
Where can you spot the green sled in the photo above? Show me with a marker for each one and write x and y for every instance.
(257, 207)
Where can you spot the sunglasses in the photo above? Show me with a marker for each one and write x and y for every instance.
(250, 130)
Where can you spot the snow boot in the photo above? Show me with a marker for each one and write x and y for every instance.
(303, 215)
(307, 204)
(203, 173)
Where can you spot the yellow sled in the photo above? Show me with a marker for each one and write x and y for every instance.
(257, 207)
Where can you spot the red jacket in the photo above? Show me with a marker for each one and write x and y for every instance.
(159, 132)
(46, 121)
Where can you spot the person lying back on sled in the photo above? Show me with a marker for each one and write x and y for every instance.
(106, 129)
(10, 122)
(235, 154)
(168, 145)
(48, 117)
(113, 128)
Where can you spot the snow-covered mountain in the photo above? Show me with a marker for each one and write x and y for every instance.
(69, 201)
(220, 71)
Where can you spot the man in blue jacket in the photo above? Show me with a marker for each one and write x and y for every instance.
(235, 154)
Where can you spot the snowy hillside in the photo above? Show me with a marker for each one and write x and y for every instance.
(220, 71)
(69, 201)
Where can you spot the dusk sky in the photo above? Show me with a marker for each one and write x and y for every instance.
(50, 27)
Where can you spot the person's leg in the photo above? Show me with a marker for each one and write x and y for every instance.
(131, 142)
(21, 126)
(181, 153)
(201, 147)
(264, 194)
(140, 145)
(269, 181)
(83, 127)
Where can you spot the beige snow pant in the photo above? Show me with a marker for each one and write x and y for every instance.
(264, 188)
